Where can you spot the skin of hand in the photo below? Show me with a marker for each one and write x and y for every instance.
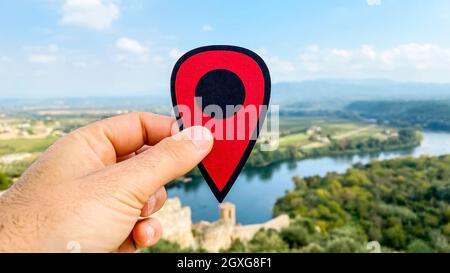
(92, 186)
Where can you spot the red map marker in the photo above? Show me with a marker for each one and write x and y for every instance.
(227, 90)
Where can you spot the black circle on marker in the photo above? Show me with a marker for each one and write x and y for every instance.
(220, 87)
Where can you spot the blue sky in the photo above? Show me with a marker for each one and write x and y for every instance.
(57, 48)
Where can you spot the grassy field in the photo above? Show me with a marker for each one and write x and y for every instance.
(20, 145)
(290, 125)
(297, 139)
(293, 131)
(294, 123)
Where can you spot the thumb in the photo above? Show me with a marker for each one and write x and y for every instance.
(142, 175)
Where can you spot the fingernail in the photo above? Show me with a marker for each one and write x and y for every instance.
(175, 128)
(201, 137)
(150, 233)
(151, 203)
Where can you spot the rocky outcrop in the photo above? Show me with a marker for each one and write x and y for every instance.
(178, 227)
(213, 236)
(220, 234)
(176, 222)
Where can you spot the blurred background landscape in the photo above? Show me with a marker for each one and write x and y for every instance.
(363, 162)
(349, 170)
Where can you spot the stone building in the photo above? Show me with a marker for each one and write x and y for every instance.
(228, 212)
(211, 236)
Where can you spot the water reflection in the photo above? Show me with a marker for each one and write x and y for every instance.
(256, 190)
(264, 173)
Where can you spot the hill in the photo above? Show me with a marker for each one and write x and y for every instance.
(323, 93)
(431, 115)
(403, 203)
(339, 91)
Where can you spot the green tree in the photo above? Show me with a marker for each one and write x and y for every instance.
(446, 229)
(295, 236)
(164, 246)
(237, 247)
(5, 181)
(343, 245)
(419, 246)
(267, 241)
(402, 203)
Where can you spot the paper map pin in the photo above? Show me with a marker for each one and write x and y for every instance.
(227, 90)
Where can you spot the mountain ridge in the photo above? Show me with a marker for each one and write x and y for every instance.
(323, 90)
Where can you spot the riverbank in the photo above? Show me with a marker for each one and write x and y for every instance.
(294, 148)
(362, 140)
(340, 204)
(257, 189)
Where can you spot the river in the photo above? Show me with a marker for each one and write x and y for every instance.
(256, 190)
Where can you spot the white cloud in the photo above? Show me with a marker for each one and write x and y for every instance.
(95, 14)
(280, 69)
(373, 2)
(44, 55)
(131, 46)
(42, 58)
(56, 70)
(421, 57)
(406, 62)
(175, 53)
(207, 28)
(74, 72)
(280, 65)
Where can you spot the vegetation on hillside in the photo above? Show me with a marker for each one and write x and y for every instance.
(10, 172)
(5, 181)
(403, 203)
(431, 115)
(164, 246)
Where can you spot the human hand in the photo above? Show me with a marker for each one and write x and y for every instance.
(92, 186)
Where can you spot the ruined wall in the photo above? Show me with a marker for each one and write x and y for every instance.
(245, 233)
(220, 234)
(176, 222)
(213, 236)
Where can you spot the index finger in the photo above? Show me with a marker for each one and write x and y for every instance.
(121, 135)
